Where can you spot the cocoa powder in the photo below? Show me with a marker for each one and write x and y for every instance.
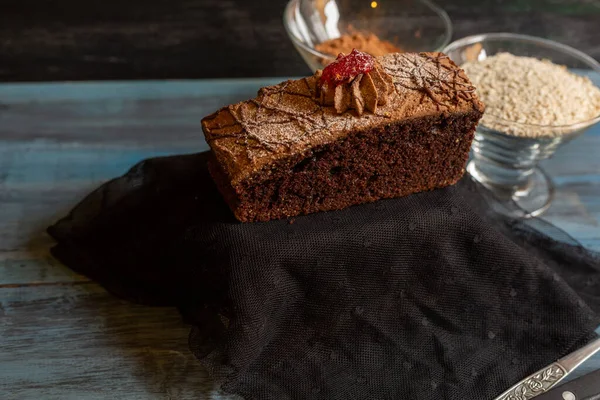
(366, 42)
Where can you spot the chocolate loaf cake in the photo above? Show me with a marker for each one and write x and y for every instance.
(361, 130)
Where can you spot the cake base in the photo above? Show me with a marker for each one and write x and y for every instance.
(386, 162)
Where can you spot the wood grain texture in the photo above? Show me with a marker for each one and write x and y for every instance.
(157, 39)
(63, 337)
(78, 342)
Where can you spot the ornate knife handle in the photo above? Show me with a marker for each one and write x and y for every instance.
(545, 379)
(536, 384)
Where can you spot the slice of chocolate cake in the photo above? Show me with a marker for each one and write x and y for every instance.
(362, 130)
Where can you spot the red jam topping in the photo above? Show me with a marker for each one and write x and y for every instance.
(345, 68)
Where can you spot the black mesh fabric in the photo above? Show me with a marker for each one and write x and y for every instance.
(430, 296)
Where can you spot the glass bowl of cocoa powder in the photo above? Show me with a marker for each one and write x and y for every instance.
(322, 29)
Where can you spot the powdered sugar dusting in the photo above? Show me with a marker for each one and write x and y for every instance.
(443, 83)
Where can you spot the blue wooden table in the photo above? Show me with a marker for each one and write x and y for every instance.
(62, 336)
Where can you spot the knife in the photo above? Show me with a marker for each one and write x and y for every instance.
(586, 387)
(549, 377)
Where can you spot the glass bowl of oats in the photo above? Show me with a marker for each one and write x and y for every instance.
(321, 29)
(539, 95)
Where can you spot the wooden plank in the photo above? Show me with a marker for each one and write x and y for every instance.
(113, 114)
(575, 170)
(135, 39)
(77, 341)
(17, 93)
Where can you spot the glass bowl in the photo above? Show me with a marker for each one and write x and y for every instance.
(411, 25)
(505, 163)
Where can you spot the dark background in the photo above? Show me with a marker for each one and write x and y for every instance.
(135, 39)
